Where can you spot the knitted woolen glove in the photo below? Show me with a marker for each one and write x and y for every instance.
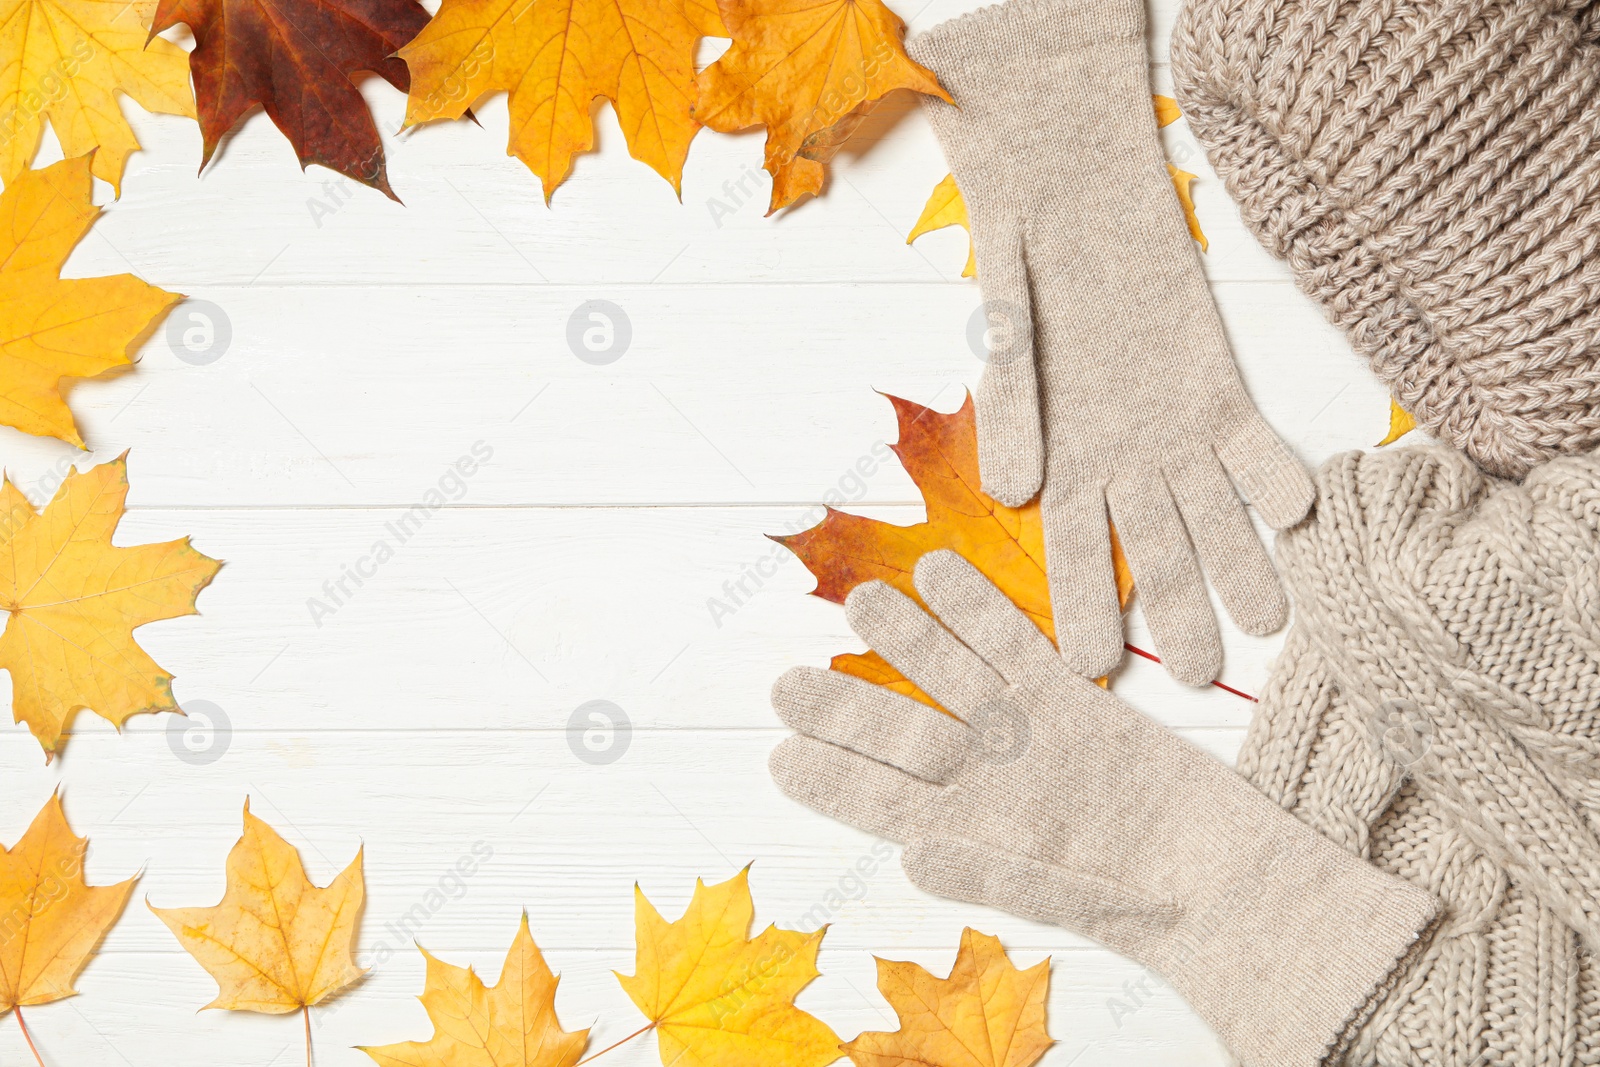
(1431, 172)
(1055, 801)
(1111, 385)
(1437, 710)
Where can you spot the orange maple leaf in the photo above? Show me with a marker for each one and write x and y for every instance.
(940, 453)
(51, 918)
(555, 59)
(800, 68)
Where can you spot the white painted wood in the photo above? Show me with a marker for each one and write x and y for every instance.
(373, 345)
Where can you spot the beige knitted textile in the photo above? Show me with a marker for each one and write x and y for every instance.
(1430, 169)
(1436, 710)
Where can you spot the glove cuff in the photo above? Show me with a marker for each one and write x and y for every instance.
(1289, 959)
(965, 49)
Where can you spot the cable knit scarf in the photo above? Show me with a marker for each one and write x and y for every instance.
(1437, 710)
(1430, 169)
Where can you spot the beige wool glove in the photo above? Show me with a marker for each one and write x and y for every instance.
(1053, 800)
(1110, 384)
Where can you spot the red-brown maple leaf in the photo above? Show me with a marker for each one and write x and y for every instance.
(296, 58)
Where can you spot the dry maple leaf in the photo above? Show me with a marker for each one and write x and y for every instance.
(940, 453)
(1401, 422)
(67, 60)
(555, 58)
(52, 919)
(510, 1024)
(53, 328)
(986, 1014)
(807, 172)
(717, 997)
(276, 943)
(1167, 110)
(1181, 180)
(295, 58)
(799, 67)
(947, 207)
(74, 600)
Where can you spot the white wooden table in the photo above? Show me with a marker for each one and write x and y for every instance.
(372, 345)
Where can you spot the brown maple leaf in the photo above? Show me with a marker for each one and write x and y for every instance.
(296, 58)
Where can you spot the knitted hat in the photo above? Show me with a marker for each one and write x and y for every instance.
(1430, 169)
(1436, 710)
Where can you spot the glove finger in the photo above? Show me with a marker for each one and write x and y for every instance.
(876, 722)
(1273, 480)
(922, 650)
(1110, 912)
(1168, 579)
(1083, 580)
(983, 617)
(1010, 432)
(1231, 553)
(848, 786)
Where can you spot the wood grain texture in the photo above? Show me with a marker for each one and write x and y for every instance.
(372, 345)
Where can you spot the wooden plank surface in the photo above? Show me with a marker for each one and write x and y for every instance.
(429, 710)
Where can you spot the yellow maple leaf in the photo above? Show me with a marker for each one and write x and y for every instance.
(1401, 423)
(510, 1024)
(717, 997)
(940, 453)
(51, 919)
(799, 67)
(276, 943)
(555, 57)
(947, 207)
(1167, 111)
(1180, 182)
(74, 600)
(53, 328)
(986, 1014)
(68, 61)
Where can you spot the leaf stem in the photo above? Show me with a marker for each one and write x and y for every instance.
(305, 1009)
(608, 1048)
(1137, 651)
(27, 1036)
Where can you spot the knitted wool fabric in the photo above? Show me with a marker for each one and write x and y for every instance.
(1430, 169)
(1436, 710)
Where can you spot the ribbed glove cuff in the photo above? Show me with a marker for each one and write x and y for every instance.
(963, 49)
(1289, 963)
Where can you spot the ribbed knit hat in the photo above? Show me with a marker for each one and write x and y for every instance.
(1436, 710)
(1430, 169)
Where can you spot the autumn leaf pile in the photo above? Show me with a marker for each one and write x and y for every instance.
(799, 70)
